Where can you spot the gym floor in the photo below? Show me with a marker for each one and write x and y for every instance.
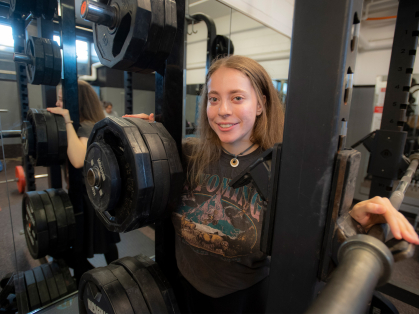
(132, 243)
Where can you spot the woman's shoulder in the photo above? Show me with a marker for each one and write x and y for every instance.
(188, 145)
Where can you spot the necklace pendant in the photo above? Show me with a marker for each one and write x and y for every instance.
(234, 162)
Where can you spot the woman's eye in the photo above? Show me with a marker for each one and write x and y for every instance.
(212, 99)
(238, 98)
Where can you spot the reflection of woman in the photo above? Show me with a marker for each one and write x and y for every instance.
(217, 227)
(96, 239)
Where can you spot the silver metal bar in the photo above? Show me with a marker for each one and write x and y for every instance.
(11, 133)
(15, 180)
(22, 58)
(363, 262)
(99, 13)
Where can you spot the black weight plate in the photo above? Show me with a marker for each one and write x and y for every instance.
(168, 37)
(51, 221)
(153, 41)
(37, 120)
(7, 288)
(35, 225)
(134, 164)
(146, 282)
(164, 286)
(21, 294)
(51, 284)
(62, 138)
(28, 141)
(169, 144)
(61, 217)
(32, 289)
(155, 146)
(20, 7)
(220, 46)
(52, 135)
(49, 61)
(143, 126)
(41, 283)
(175, 165)
(71, 219)
(120, 47)
(35, 71)
(161, 175)
(103, 180)
(69, 281)
(59, 279)
(56, 76)
(131, 288)
(101, 289)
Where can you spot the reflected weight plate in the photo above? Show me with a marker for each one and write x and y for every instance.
(71, 219)
(61, 217)
(52, 136)
(32, 289)
(35, 225)
(56, 75)
(42, 286)
(59, 279)
(99, 288)
(21, 294)
(51, 221)
(48, 61)
(69, 281)
(62, 138)
(145, 281)
(131, 289)
(51, 284)
(21, 179)
(103, 180)
(36, 119)
(35, 50)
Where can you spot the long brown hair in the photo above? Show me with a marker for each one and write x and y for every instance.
(267, 129)
(89, 104)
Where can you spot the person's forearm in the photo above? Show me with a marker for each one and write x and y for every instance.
(76, 150)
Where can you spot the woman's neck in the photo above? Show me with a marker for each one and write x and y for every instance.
(238, 148)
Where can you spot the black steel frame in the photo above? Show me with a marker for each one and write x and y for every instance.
(169, 104)
(314, 131)
(386, 159)
(18, 29)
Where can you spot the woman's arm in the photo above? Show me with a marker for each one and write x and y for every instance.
(379, 210)
(76, 147)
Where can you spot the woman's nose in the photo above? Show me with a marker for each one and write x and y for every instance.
(225, 108)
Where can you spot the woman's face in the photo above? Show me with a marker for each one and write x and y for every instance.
(59, 102)
(232, 106)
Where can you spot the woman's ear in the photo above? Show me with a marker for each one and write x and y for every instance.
(260, 107)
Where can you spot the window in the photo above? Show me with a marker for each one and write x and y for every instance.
(6, 37)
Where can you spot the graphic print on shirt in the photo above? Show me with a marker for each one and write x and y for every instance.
(219, 219)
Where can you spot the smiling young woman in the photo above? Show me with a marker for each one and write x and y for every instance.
(217, 228)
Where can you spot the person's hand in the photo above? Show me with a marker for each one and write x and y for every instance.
(379, 210)
(61, 111)
(149, 118)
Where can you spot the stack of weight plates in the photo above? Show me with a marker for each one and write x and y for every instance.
(48, 222)
(133, 172)
(127, 286)
(44, 138)
(42, 285)
(45, 68)
(142, 38)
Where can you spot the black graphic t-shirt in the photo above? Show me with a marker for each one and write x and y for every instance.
(218, 231)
